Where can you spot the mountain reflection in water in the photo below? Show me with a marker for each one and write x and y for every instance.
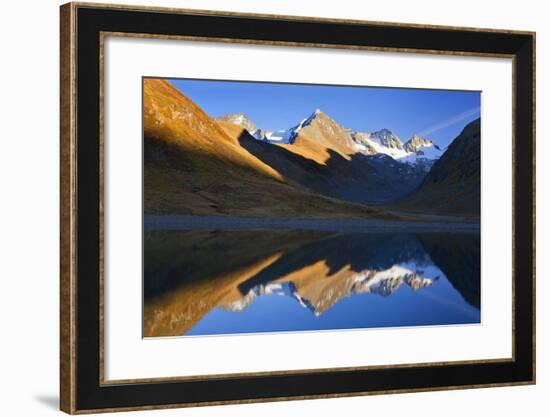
(221, 282)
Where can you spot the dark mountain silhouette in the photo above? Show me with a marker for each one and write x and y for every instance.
(453, 184)
(460, 259)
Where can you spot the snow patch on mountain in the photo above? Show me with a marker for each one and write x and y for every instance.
(381, 142)
(287, 289)
(416, 151)
(421, 151)
(289, 136)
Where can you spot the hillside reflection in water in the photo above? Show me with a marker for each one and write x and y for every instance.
(215, 282)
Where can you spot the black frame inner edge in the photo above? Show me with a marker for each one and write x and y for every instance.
(91, 395)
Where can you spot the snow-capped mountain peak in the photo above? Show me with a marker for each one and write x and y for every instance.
(387, 138)
(288, 136)
(240, 119)
(422, 150)
(416, 143)
(246, 123)
(383, 141)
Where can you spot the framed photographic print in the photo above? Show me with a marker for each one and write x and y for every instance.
(264, 208)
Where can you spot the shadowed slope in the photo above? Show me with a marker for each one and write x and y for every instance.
(324, 159)
(460, 258)
(453, 184)
(353, 177)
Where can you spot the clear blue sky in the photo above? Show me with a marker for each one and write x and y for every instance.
(438, 115)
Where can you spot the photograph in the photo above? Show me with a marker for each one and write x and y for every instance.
(282, 207)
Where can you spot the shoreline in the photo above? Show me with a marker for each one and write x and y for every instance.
(153, 222)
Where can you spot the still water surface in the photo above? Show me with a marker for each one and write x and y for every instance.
(205, 282)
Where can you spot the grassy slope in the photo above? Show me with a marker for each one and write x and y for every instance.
(194, 166)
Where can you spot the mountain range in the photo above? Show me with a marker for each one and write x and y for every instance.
(198, 164)
(417, 150)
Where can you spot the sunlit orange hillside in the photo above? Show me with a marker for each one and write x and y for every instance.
(323, 135)
(173, 118)
(193, 165)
